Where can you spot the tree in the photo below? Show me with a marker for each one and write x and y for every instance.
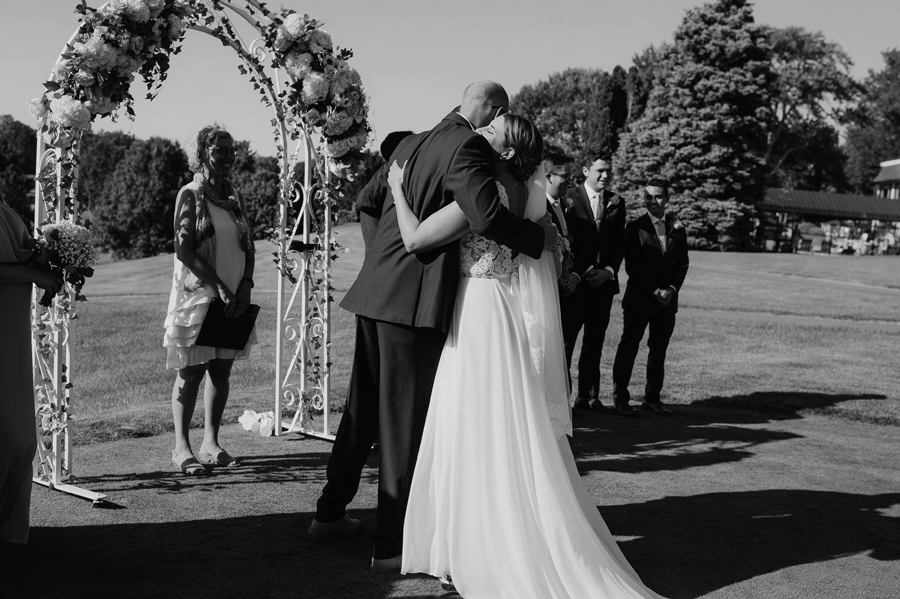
(571, 109)
(258, 180)
(98, 157)
(134, 216)
(704, 128)
(18, 146)
(640, 78)
(811, 95)
(874, 135)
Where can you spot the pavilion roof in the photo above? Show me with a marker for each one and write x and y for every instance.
(890, 172)
(836, 205)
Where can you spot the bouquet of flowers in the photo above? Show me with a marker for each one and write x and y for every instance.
(66, 246)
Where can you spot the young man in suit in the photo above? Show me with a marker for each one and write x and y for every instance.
(404, 304)
(656, 260)
(599, 241)
(559, 176)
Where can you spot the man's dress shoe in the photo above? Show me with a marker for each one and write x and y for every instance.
(344, 527)
(656, 408)
(389, 565)
(592, 405)
(625, 410)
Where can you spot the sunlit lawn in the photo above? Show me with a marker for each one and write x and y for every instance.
(122, 388)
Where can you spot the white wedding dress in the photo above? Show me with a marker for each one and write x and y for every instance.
(496, 501)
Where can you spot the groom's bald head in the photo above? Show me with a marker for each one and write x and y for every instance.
(482, 101)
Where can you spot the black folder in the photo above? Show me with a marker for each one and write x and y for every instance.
(229, 333)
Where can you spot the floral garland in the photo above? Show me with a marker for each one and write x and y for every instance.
(95, 72)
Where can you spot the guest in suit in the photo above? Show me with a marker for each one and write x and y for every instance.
(656, 260)
(600, 245)
(404, 306)
(559, 177)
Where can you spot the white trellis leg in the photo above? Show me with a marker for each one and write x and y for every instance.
(54, 376)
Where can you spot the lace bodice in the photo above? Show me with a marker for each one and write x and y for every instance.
(482, 258)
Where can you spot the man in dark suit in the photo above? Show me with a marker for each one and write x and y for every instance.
(656, 260)
(599, 248)
(404, 305)
(559, 175)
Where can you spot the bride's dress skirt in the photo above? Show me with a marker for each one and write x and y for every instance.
(496, 500)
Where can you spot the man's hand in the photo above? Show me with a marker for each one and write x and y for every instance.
(664, 296)
(597, 277)
(568, 282)
(551, 233)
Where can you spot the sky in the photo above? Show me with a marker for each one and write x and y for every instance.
(415, 57)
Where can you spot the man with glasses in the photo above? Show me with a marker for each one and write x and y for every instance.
(600, 242)
(559, 176)
(656, 260)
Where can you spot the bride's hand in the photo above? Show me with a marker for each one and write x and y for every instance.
(395, 180)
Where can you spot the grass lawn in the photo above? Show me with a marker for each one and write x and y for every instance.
(122, 389)
(777, 477)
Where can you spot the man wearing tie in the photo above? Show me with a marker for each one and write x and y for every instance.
(656, 260)
(599, 247)
(559, 174)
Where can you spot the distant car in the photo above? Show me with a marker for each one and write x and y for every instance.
(848, 251)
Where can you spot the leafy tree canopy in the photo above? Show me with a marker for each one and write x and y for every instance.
(704, 128)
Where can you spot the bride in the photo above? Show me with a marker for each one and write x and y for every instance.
(496, 500)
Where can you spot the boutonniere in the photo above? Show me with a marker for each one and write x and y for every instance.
(676, 224)
(567, 203)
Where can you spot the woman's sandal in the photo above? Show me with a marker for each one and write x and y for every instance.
(223, 458)
(189, 465)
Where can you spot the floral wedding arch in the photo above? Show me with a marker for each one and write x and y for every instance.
(320, 122)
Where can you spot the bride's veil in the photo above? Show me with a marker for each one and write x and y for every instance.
(539, 297)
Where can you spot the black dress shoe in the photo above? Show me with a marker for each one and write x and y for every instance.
(625, 410)
(656, 408)
(592, 405)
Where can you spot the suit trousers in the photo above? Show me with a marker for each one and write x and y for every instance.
(589, 308)
(662, 324)
(390, 389)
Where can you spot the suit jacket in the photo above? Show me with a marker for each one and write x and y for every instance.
(603, 247)
(450, 163)
(649, 268)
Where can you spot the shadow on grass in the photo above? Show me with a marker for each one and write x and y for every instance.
(683, 547)
(691, 438)
(796, 404)
(691, 546)
(254, 556)
(256, 470)
(706, 432)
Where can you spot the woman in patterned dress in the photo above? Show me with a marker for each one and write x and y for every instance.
(214, 257)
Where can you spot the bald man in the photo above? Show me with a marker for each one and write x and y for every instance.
(404, 304)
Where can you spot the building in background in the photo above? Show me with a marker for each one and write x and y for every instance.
(887, 183)
(818, 221)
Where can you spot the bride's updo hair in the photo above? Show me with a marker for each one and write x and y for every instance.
(526, 140)
(197, 147)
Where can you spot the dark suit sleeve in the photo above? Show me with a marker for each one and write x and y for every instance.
(471, 180)
(638, 273)
(683, 263)
(580, 249)
(617, 250)
(370, 203)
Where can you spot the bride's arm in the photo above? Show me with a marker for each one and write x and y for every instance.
(446, 225)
